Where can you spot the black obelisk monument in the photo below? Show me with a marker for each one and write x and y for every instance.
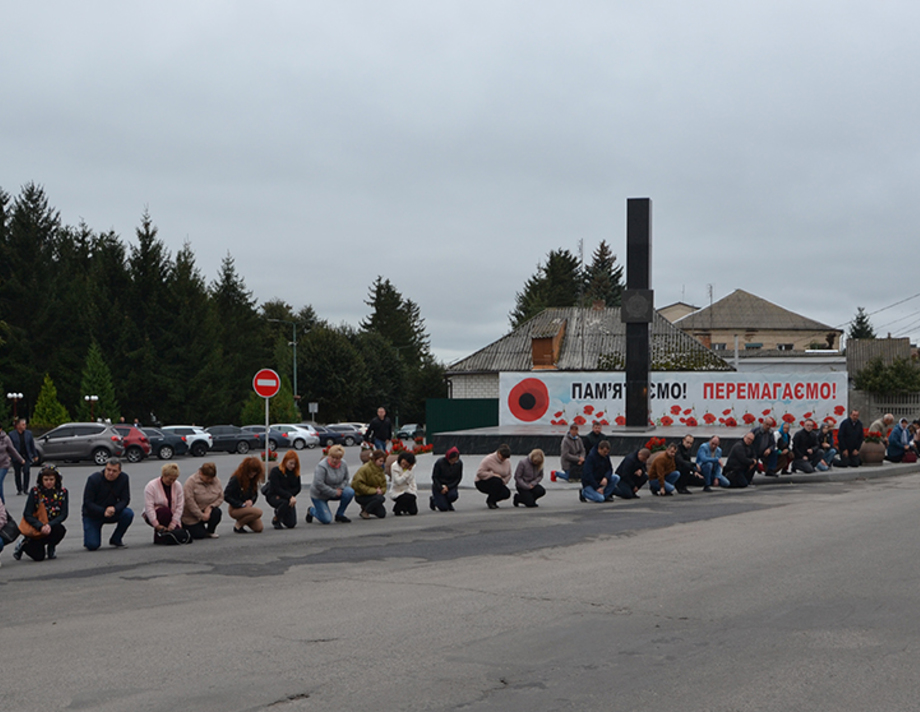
(637, 310)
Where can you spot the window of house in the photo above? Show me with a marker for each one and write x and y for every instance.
(784, 347)
(718, 347)
(753, 346)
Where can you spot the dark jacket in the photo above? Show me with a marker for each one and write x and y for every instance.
(596, 468)
(235, 496)
(763, 440)
(740, 458)
(850, 435)
(803, 441)
(632, 471)
(282, 484)
(29, 451)
(100, 494)
(684, 459)
(591, 440)
(379, 429)
(443, 473)
(32, 503)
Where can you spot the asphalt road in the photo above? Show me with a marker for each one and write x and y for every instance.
(776, 598)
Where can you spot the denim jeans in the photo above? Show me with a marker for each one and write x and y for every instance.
(92, 528)
(3, 471)
(592, 495)
(713, 471)
(380, 445)
(320, 508)
(828, 456)
(669, 481)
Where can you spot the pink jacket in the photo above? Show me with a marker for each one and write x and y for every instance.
(492, 466)
(155, 496)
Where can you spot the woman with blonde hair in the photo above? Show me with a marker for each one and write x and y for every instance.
(330, 483)
(282, 490)
(164, 502)
(527, 478)
(242, 492)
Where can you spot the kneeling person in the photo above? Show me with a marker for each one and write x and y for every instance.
(597, 475)
(105, 501)
(164, 502)
(370, 484)
(527, 478)
(203, 496)
(404, 490)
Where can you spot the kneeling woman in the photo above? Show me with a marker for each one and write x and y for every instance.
(203, 497)
(370, 484)
(527, 478)
(164, 503)
(46, 510)
(282, 490)
(404, 490)
(330, 482)
(241, 494)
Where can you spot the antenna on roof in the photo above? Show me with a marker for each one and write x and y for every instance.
(581, 298)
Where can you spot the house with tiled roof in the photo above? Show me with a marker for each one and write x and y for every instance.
(575, 339)
(759, 326)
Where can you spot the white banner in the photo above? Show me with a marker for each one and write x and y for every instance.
(676, 399)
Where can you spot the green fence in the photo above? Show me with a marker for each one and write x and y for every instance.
(446, 414)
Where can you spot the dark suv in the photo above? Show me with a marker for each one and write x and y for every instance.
(81, 441)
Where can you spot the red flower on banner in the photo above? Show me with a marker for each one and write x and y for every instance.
(558, 414)
(667, 420)
(748, 418)
(808, 414)
(688, 411)
(731, 423)
(788, 418)
(709, 418)
(599, 414)
(727, 411)
(604, 421)
(579, 420)
(831, 419)
(675, 410)
(588, 409)
(691, 422)
(839, 410)
(619, 420)
(766, 412)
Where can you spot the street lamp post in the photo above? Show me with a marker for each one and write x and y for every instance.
(15, 397)
(92, 406)
(294, 344)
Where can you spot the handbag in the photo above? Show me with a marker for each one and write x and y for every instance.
(41, 514)
(9, 532)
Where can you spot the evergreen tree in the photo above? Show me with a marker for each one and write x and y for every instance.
(97, 380)
(387, 375)
(861, 327)
(49, 412)
(425, 382)
(557, 283)
(603, 278)
(281, 408)
(332, 373)
(397, 320)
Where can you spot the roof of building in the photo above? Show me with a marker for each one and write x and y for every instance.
(595, 340)
(746, 312)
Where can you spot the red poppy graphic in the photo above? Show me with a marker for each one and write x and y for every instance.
(675, 410)
(691, 422)
(604, 422)
(529, 400)
(619, 420)
(831, 419)
(688, 411)
(727, 411)
(588, 409)
(748, 418)
(731, 423)
(557, 414)
(579, 420)
(788, 418)
(599, 414)
(766, 412)
(709, 418)
(839, 410)
(808, 414)
(667, 420)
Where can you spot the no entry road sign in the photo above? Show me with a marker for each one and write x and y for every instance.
(266, 383)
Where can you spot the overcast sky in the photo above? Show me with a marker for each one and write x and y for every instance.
(449, 146)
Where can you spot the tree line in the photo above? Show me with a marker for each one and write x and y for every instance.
(83, 314)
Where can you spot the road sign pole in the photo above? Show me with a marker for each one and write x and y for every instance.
(266, 438)
(266, 383)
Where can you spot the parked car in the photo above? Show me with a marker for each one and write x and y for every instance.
(137, 446)
(360, 427)
(199, 441)
(231, 438)
(328, 437)
(350, 436)
(276, 438)
(410, 431)
(81, 441)
(165, 445)
(301, 435)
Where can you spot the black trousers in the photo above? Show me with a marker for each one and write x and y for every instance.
(740, 479)
(372, 504)
(200, 530)
(529, 497)
(494, 489)
(22, 470)
(624, 488)
(285, 513)
(406, 503)
(35, 548)
(444, 502)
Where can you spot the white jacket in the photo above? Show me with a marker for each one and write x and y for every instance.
(403, 481)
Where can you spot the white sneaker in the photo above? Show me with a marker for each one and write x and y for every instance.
(215, 535)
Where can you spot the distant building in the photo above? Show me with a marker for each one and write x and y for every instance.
(677, 310)
(574, 339)
(758, 325)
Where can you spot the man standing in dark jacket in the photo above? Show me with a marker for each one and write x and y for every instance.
(597, 478)
(25, 445)
(379, 430)
(105, 501)
(850, 439)
(633, 474)
(742, 462)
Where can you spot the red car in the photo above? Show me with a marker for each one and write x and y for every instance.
(137, 446)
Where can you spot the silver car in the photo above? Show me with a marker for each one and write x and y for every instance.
(81, 441)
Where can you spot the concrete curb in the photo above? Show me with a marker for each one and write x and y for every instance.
(842, 474)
